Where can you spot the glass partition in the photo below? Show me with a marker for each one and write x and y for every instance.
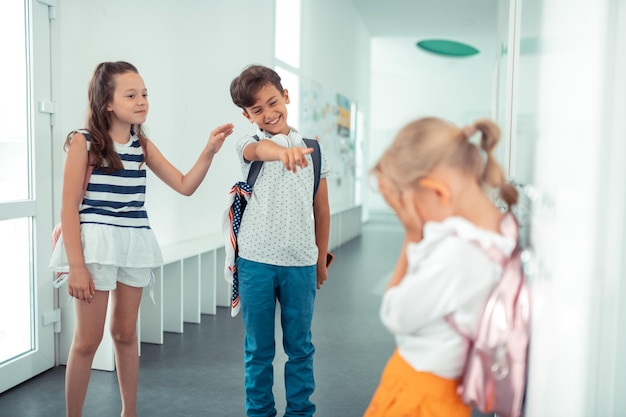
(13, 106)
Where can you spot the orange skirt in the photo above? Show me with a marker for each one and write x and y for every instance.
(404, 392)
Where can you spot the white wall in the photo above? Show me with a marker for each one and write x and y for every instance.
(336, 54)
(408, 83)
(612, 372)
(336, 47)
(578, 233)
(188, 53)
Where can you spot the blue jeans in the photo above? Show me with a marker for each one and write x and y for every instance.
(260, 286)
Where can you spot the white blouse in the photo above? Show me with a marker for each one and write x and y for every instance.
(449, 271)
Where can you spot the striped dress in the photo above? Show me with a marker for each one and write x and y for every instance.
(114, 223)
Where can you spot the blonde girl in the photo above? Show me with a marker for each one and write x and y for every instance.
(438, 183)
(107, 244)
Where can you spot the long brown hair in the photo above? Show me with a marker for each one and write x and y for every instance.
(429, 142)
(100, 94)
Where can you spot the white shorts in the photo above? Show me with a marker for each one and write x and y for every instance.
(106, 277)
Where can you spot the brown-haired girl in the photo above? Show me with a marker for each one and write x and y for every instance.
(107, 245)
(438, 182)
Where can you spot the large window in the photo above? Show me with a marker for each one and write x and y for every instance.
(27, 314)
(15, 334)
(287, 53)
(287, 32)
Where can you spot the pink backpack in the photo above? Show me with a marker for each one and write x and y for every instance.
(494, 379)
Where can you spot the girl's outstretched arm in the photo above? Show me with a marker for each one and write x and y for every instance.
(187, 184)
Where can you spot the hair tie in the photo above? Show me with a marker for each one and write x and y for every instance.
(469, 131)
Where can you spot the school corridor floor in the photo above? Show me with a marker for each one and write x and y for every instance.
(200, 372)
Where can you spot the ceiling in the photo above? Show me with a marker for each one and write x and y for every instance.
(397, 25)
(425, 18)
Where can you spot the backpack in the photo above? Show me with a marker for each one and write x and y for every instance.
(494, 377)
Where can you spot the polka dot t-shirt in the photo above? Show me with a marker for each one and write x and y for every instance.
(278, 227)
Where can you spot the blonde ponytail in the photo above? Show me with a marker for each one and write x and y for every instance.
(493, 173)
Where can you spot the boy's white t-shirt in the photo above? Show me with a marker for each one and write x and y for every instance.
(277, 226)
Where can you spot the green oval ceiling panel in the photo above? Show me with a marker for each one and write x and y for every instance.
(447, 48)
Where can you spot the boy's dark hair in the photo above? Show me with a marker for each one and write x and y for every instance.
(250, 81)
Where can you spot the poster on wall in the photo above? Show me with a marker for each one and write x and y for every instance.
(326, 116)
(344, 115)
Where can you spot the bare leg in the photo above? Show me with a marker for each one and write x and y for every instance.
(90, 318)
(125, 308)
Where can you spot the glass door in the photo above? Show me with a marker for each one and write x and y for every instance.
(27, 315)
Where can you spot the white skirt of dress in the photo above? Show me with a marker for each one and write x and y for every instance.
(111, 245)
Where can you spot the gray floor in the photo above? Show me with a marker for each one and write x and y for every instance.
(200, 372)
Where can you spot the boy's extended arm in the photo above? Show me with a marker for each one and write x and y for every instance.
(267, 150)
(321, 212)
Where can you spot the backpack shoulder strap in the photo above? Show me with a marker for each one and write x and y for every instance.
(509, 228)
(255, 168)
(317, 162)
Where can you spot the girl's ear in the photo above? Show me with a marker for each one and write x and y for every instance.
(442, 191)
